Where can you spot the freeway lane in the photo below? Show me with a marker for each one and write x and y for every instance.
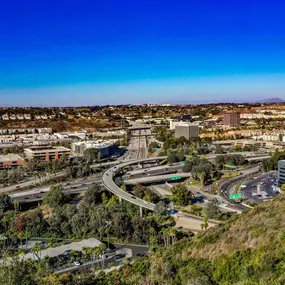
(224, 189)
(157, 178)
(108, 182)
(39, 193)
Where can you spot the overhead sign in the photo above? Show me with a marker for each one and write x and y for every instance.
(235, 196)
(231, 166)
(175, 177)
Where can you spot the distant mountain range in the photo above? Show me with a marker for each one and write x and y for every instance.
(271, 100)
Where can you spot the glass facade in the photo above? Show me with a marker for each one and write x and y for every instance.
(281, 172)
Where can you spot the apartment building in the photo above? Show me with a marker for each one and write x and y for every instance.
(232, 119)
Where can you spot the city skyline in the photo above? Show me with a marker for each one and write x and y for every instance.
(95, 53)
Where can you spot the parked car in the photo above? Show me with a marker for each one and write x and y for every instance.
(77, 262)
(172, 212)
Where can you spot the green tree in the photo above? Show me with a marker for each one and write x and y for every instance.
(5, 203)
(187, 166)
(213, 211)
(181, 195)
(55, 197)
(160, 209)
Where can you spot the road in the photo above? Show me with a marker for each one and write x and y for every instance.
(267, 183)
(39, 193)
(137, 145)
(226, 186)
(30, 182)
(156, 170)
(157, 178)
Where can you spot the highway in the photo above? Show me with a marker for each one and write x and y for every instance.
(107, 179)
(39, 193)
(225, 187)
(30, 182)
(157, 178)
(267, 183)
(137, 145)
(156, 170)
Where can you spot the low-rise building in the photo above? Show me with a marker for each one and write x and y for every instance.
(11, 161)
(107, 148)
(46, 153)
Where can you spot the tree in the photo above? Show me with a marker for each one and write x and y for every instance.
(5, 203)
(213, 211)
(55, 196)
(92, 195)
(160, 209)
(181, 195)
(90, 154)
(282, 187)
(180, 155)
(219, 149)
(187, 166)
(171, 157)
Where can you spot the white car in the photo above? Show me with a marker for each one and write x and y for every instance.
(77, 262)
(243, 186)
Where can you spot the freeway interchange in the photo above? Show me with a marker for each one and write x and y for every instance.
(157, 173)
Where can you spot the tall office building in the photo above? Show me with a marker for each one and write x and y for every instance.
(232, 119)
(281, 172)
(187, 130)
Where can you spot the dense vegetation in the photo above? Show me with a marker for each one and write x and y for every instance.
(247, 249)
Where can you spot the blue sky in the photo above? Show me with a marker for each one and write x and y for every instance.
(115, 52)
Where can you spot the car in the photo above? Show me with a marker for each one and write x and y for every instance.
(77, 262)
(172, 212)
(67, 252)
(180, 228)
(17, 187)
(83, 184)
(26, 198)
(133, 197)
(243, 186)
(265, 182)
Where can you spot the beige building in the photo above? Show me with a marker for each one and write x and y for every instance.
(11, 161)
(46, 153)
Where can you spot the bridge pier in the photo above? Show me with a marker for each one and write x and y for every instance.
(120, 200)
(141, 211)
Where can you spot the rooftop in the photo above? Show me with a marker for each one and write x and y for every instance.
(10, 157)
(46, 149)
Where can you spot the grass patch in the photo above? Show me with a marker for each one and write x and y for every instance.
(230, 175)
(192, 182)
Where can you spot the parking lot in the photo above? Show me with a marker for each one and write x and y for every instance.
(261, 189)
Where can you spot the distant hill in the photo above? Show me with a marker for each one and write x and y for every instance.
(272, 100)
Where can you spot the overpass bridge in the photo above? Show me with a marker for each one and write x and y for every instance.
(157, 178)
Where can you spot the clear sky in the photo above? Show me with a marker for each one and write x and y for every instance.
(57, 52)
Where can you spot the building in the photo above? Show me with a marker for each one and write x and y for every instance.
(107, 148)
(46, 153)
(187, 130)
(232, 119)
(281, 172)
(11, 161)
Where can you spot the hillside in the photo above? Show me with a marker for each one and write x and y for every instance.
(248, 249)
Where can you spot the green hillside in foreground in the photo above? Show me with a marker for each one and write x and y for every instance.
(247, 249)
